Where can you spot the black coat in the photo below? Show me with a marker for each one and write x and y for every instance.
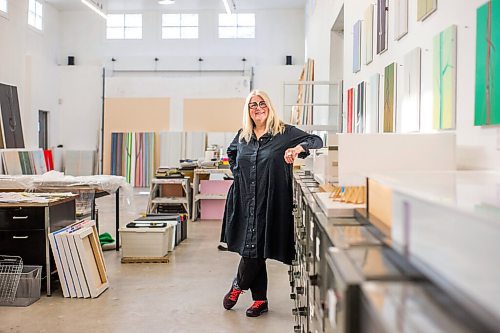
(258, 220)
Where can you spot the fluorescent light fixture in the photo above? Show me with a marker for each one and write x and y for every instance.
(95, 8)
(226, 5)
(166, 2)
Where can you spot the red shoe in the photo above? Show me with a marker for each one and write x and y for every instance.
(232, 296)
(257, 308)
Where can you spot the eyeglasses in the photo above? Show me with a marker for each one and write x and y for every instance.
(254, 105)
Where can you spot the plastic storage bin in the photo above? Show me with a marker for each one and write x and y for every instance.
(28, 289)
(146, 242)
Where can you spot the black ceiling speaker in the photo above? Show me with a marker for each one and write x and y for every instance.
(71, 60)
(288, 60)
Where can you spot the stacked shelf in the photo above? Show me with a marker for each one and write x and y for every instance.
(156, 198)
(197, 196)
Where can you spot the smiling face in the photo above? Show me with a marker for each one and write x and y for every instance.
(258, 110)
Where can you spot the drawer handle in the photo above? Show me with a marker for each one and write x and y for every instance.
(19, 217)
(20, 237)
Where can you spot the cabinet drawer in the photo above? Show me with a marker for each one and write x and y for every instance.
(20, 218)
(28, 244)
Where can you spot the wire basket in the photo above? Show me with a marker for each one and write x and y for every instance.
(10, 273)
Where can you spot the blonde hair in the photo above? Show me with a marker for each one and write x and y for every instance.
(273, 124)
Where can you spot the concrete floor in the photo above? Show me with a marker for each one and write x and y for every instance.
(184, 295)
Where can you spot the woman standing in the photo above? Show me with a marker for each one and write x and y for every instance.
(258, 221)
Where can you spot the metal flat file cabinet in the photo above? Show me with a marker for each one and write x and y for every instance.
(347, 270)
(24, 229)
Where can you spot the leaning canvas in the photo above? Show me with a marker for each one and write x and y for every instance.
(360, 108)
(390, 98)
(382, 25)
(400, 19)
(368, 35)
(356, 49)
(350, 106)
(445, 78)
(372, 104)
(409, 114)
(425, 8)
(487, 106)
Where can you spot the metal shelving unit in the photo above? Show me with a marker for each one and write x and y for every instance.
(333, 94)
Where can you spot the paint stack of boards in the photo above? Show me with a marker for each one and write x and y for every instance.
(302, 114)
(79, 260)
(133, 156)
(79, 162)
(26, 162)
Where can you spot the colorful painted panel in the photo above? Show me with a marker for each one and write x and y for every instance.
(359, 126)
(445, 77)
(368, 35)
(356, 48)
(372, 105)
(409, 114)
(425, 8)
(382, 25)
(487, 66)
(389, 98)
(400, 19)
(133, 156)
(350, 106)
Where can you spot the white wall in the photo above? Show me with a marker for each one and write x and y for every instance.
(28, 61)
(477, 147)
(278, 33)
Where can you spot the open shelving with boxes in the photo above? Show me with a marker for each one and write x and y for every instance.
(200, 194)
(169, 191)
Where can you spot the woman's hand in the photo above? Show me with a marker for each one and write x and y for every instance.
(292, 153)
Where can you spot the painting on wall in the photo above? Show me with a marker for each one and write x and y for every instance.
(400, 19)
(372, 105)
(390, 98)
(350, 107)
(12, 129)
(360, 108)
(487, 107)
(409, 114)
(425, 8)
(382, 25)
(356, 49)
(445, 78)
(368, 35)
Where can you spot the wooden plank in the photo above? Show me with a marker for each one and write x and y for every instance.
(139, 260)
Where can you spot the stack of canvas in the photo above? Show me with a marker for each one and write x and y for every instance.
(79, 162)
(24, 162)
(79, 260)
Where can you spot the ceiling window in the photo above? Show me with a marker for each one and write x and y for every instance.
(179, 26)
(237, 26)
(3, 6)
(124, 26)
(35, 14)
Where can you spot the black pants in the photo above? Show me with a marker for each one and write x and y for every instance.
(252, 274)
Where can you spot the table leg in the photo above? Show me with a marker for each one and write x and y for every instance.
(93, 213)
(48, 270)
(117, 218)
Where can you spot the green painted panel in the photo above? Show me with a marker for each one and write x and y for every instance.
(445, 78)
(487, 109)
(389, 98)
